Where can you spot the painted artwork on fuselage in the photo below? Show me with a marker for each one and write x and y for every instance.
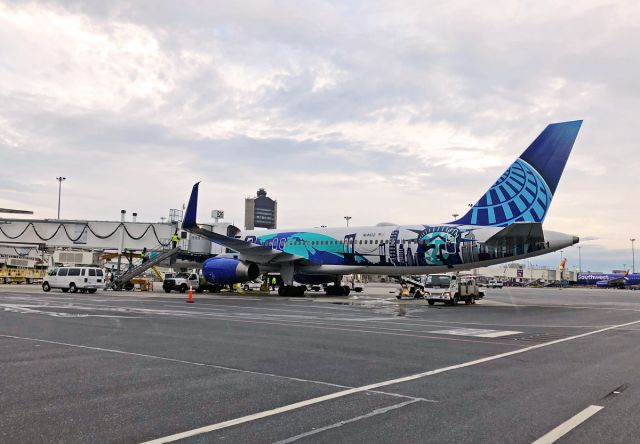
(401, 246)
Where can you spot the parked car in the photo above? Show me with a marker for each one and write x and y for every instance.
(74, 279)
(254, 285)
(494, 283)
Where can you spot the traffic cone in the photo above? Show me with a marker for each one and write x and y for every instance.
(190, 300)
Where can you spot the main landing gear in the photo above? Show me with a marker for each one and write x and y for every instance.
(291, 290)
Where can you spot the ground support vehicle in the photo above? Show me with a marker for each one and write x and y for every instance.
(181, 282)
(410, 288)
(494, 283)
(451, 289)
(20, 276)
(74, 279)
(255, 285)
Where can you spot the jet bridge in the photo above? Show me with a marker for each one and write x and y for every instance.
(85, 234)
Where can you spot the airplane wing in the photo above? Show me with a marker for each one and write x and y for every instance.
(530, 230)
(259, 254)
(618, 280)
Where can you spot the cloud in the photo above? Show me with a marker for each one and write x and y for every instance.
(404, 112)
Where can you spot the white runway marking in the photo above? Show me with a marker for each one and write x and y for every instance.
(568, 425)
(33, 309)
(477, 332)
(374, 386)
(163, 358)
(202, 364)
(376, 412)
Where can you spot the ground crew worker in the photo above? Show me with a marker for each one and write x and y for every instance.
(143, 255)
(175, 239)
(273, 283)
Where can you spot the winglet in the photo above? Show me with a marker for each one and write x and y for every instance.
(189, 220)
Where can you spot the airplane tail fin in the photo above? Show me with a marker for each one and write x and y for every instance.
(563, 264)
(524, 191)
(189, 220)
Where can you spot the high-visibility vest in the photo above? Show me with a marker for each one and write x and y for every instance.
(273, 280)
(175, 238)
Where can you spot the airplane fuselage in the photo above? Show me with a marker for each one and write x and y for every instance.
(401, 249)
(608, 279)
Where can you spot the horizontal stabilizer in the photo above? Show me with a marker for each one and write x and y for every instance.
(518, 231)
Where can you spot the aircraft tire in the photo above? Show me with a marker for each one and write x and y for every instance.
(282, 290)
(431, 301)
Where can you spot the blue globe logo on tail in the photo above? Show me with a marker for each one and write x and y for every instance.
(520, 194)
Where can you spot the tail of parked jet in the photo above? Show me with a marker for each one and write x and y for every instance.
(523, 193)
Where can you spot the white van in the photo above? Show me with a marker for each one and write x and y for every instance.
(74, 279)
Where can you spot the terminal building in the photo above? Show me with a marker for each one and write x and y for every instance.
(525, 274)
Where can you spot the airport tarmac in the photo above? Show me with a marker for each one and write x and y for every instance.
(521, 365)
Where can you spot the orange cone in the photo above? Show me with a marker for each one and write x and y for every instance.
(190, 300)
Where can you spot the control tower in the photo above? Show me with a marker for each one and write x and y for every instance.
(260, 211)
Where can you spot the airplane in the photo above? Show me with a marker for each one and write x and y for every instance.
(503, 226)
(605, 280)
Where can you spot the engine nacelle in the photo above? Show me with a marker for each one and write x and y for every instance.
(224, 270)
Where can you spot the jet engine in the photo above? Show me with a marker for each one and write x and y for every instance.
(223, 270)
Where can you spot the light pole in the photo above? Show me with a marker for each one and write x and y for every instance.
(347, 218)
(633, 255)
(579, 258)
(59, 179)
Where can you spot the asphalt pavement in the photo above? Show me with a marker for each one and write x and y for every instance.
(521, 365)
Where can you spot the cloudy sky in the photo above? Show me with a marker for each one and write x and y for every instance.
(402, 111)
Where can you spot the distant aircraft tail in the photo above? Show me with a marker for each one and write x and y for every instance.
(563, 264)
(523, 193)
